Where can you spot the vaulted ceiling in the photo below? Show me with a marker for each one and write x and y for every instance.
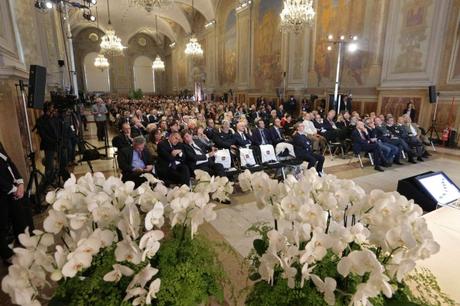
(128, 19)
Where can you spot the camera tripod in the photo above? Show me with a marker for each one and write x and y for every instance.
(33, 189)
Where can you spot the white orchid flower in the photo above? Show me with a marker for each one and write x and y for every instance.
(105, 214)
(359, 262)
(154, 288)
(199, 214)
(154, 218)
(28, 241)
(50, 197)
(77, 221)
(127, 250)
(138, 292)
(105, 237)
(55, 221)
(327, 287)
(77, 262)
(89, 245)
(291, 206)
(150, 243)
(117, 273)
(143, 277)
(244, 180)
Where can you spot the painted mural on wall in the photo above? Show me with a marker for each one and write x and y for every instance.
(396, 105)
(267, 45)
(229, 52)
(414, 32)
(342, 17)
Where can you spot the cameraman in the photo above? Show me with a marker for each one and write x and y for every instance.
(100, 116)
(47, 127)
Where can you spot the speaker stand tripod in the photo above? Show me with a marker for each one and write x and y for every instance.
(35, 174)
(432, 128)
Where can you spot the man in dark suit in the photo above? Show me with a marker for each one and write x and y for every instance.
(241, 138)
(137, 128)
(13, 208)
(362, 143)
(384, 134)
(124, 139)
(400, 131)
(47, 127)
(153, 116)
(277, 132)
(135, 161)
(197, 158)
(171, 161)
(261, 135)
(303, 149)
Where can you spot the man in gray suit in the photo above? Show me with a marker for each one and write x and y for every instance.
(100, 116)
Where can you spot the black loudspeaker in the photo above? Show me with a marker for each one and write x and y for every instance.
(432, 93)
(37, 85)
(409, 188)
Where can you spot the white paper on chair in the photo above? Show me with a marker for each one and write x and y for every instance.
(267, 152)
(247, 157)
(223, 157)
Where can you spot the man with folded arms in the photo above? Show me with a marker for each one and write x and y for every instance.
(135, 161)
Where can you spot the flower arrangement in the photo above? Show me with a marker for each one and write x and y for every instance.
(101, 242)
(333, 244)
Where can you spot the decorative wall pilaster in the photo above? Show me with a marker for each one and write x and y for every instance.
(244, 48)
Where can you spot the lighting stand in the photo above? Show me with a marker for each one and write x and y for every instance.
(337, 77)
(35, 174)
(433, 128)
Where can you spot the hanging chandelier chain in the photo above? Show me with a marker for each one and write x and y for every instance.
(108, 12)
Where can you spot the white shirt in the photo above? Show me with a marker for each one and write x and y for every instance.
(309, 128)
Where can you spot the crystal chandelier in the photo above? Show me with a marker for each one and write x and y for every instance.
(110, 42)
(193, 47)
(158, 64)
(149, 5)
(101, 62)
(296, 14)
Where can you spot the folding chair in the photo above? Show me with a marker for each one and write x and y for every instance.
(357, 154)
(269, 160)
(333, 147)
(248, 161)
(224, 158)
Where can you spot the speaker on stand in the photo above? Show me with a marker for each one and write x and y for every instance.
(35, 99)
(433, 98)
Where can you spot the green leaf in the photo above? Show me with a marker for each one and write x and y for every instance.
(260, 246)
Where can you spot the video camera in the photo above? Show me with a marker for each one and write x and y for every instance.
(63, 102)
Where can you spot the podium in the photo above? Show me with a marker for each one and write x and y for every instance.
(410, 188)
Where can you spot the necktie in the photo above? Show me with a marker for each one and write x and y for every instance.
(244, 137)
(262, 137)
(278, 132)
(197, 148)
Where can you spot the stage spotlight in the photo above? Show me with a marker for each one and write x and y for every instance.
(342, 37)
(355, 37)
(352, 47)
(330, 37)
(49, 4)
(93, 2)
(88, 16)
(329, 48)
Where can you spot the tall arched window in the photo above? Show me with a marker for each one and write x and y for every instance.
(95, 78)
(143, 74)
